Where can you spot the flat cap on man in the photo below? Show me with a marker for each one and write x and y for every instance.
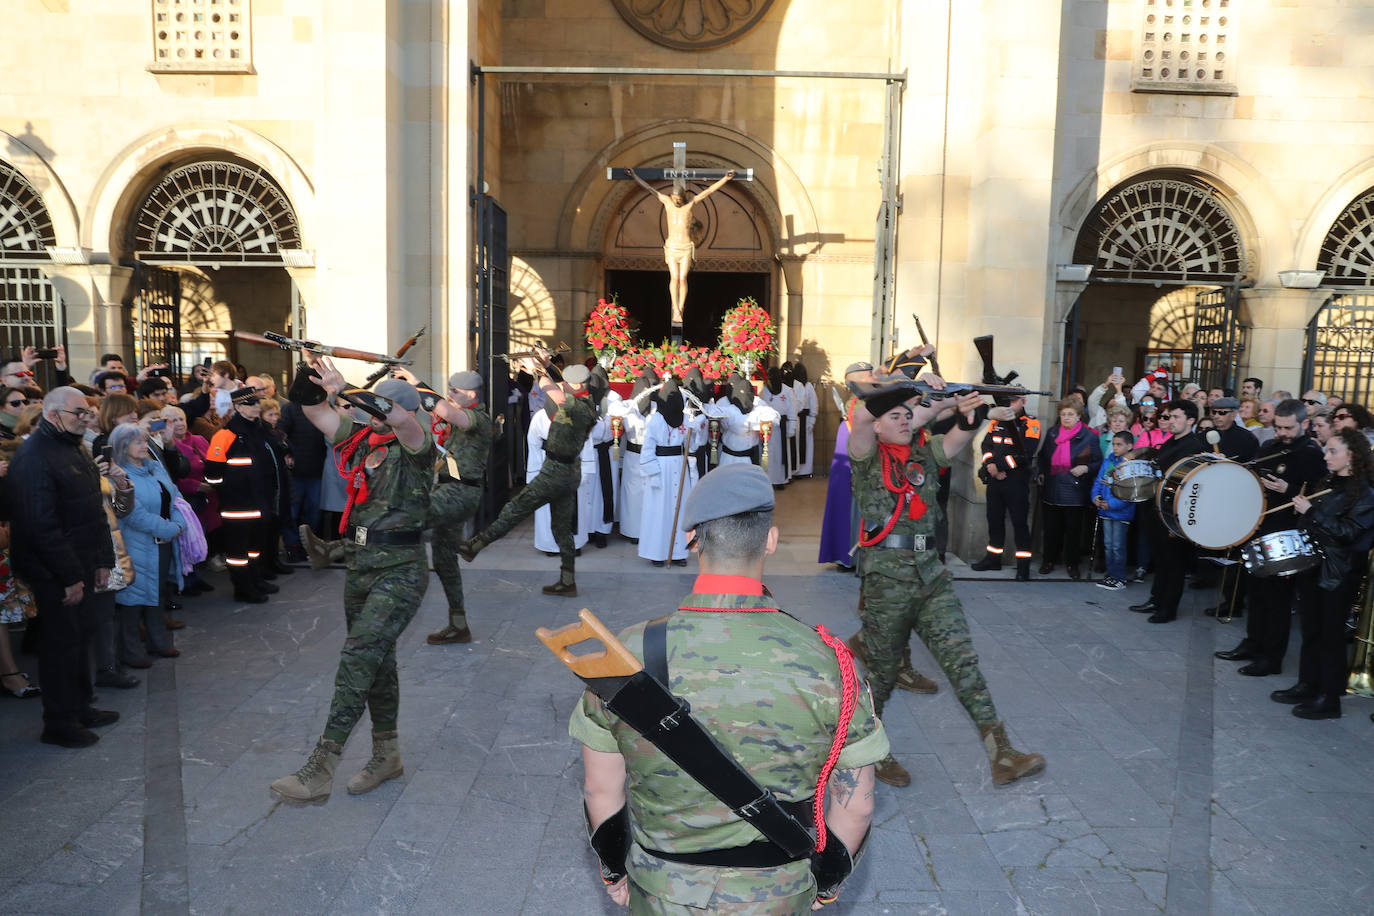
(732, 489)
(1225, 404)
(399, 392)
(576, 375)
(467, 380)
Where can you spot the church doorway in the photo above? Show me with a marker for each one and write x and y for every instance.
(644, 293)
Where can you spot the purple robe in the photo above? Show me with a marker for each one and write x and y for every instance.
(837, 527)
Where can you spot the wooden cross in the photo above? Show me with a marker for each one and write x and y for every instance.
(679, 174)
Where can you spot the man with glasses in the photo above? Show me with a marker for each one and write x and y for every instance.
(110, 383)
(1290, 463)
(60, 546)
(1171, 553)
(1313, 399)
(1238, 444)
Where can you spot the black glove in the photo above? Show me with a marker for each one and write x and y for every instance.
(611, 843)
(305, 389)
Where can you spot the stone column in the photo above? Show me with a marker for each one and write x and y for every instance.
(1278, 320)
(95, 299)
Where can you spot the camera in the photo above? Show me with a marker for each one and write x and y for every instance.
(47, 353)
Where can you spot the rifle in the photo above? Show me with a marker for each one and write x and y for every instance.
(925, 342)
(923, 390)
(271, 339)
(526, 354)
(382, 373)
(990, 376)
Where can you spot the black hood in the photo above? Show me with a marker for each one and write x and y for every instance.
(647, 379)
(524, 381)
(669, 401)
(695, 382)
(799, 373)
(741, 394)
(787, 377)
(775, 380)
(599, 385)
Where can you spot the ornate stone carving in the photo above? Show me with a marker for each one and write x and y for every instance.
(692, 25)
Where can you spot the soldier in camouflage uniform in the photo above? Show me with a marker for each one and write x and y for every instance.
(463, 430)
(558, 478)
(770, 688)
(389, 467)
(896, 484)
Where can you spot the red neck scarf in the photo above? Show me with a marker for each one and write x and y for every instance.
(894, 459)
(356, 477)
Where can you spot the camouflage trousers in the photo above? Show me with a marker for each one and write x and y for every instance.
(739, 892)
(450, 506)
(378, 605)
(555, 484)
(922, 600)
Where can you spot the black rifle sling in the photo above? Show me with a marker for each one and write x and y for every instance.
(667, 723)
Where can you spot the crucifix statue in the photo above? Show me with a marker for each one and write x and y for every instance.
(679, 250)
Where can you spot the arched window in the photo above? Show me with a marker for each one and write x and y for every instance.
(1347, 253)
(1170, 229)
(25, 227)
(214, 210)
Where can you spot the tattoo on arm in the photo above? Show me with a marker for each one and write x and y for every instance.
(843, 786)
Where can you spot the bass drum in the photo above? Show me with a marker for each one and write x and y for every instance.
(1212, 501)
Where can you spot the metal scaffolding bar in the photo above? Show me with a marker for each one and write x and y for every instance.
(690, 71)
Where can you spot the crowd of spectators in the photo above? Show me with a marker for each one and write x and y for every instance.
(112, 496)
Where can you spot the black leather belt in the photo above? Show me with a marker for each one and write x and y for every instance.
(635, 447)
(668, 450)
(390, 537)
(904, 541)
(747, 453)
(760, 854)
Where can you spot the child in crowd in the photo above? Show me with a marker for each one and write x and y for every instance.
(1115, 514)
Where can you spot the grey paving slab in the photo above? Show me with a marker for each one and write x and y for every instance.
(485, 819)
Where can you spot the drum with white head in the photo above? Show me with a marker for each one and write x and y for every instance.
(1210, 500)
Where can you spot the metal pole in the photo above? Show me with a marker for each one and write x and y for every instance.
(691, 71)
(483, 329)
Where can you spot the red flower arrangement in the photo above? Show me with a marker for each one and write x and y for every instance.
(747, 332)
(607, 328)
(666, 359)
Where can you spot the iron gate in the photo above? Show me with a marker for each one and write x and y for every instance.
(30, 310)
(493, 336)
(1216, 341)
(1340, 348)
(157, 317)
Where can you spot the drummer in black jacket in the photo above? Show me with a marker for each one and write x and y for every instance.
(1287, 464)
(1342, 525)
(1171, 553)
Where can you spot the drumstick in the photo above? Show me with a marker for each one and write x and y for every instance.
(1315, 495)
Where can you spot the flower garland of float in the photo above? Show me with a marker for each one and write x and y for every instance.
(747, 339)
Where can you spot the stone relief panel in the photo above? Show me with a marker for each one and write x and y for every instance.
(692, 25)
(199, 36)
(1186, 46)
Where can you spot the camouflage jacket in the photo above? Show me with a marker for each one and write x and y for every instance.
(769, 691)
(398, 495)
(570, 428)
(468, 447)
(877, 503)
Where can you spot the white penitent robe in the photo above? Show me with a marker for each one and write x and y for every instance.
(631, 484)
(804, 393)
(543, 518)
(783, 403)
(739, 432)
(589, 506)
(661, 475)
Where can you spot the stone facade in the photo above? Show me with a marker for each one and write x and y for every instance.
(1017, 119)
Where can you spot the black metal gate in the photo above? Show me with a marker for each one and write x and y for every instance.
(1340, 348)
(157, 317)
(493, 336)
(1216, 339)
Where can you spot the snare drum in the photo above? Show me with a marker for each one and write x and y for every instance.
(1134, 481)
(1282, 553)
(1210, 500)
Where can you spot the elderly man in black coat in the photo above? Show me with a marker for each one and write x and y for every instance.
(61, 546)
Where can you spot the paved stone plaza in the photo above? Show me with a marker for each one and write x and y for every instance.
(1173, 784)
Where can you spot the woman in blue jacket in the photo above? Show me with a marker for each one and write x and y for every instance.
(150, 533)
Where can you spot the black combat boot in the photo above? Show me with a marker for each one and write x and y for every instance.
(990, 563)
(1023, 569)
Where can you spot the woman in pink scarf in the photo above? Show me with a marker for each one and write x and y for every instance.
(1067, 465)
(197, 492)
